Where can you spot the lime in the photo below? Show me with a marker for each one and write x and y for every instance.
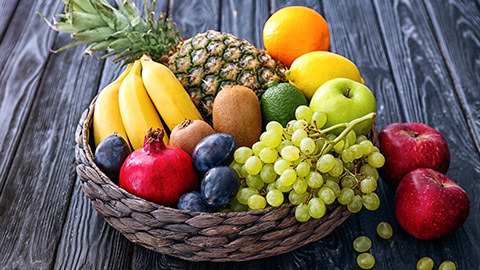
(280, 101)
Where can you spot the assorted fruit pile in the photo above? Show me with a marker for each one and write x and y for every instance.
(251, 129)
(313, 150)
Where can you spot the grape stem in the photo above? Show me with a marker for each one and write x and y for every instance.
(353, 175)
(348, 126)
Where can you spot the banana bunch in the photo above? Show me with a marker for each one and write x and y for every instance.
(132, 103)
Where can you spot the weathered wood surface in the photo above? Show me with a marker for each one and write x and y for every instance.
(419, 57)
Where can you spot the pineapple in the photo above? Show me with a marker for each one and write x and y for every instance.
(204, 64)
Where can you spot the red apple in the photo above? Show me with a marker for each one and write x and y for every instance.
(429, 205)
(408, 146)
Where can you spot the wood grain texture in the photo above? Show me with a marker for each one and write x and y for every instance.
(38, 187)
(7, 10)
(88, 242)
(20, 73)
(313, 4)
(195, 16)
(457, 25)
(427, 95)
(247, 24)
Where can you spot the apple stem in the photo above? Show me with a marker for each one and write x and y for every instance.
(348, 92)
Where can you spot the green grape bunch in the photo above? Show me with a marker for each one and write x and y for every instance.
(309, 167)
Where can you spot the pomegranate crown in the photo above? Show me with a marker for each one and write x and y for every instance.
(154, 139)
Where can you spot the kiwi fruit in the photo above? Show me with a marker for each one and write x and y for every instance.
(187, 134)
(236, 111)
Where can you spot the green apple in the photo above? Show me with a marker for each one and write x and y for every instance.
(344, 100)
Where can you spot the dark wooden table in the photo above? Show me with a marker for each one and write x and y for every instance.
(421, 59)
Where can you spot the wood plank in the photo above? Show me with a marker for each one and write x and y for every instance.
(196, 16)
(249, 24)
(87, 241)
(457, 25)
(38, 187)
(84, 227)
(313, 4)
(7, 10)
(20, 73)
(427, 95)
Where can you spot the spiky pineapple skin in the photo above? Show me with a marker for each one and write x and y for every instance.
(212, 60)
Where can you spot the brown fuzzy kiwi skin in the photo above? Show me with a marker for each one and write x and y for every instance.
(237, 112)
(187, 134)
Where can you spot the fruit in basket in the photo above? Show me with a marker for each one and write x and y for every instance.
(193, 201)
(408, 146)
(219, 186)
(309, 167)
(204, 64)
(157, 172)
(213, 151)
(310, 71)
(280, 101)
(110, 155)
(106, 116)
(293, 31)
(429, 205)
(343, 100)
(167, 93)
(137, 110)
(236, 111)
(189, 133)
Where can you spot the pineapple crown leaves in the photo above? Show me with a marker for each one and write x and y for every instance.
(121, 31)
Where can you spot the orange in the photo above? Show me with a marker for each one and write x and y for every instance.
(293, 31)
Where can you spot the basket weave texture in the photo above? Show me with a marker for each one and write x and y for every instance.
(195, 236)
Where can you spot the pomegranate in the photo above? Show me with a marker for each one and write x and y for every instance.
(157, 172)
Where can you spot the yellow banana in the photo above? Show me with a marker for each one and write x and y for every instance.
(167, 93)
(106, 116)
(137, 110)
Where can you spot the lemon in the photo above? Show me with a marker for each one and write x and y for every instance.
(280, 101)
(309, 71)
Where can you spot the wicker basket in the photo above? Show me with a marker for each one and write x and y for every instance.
(196, 236)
